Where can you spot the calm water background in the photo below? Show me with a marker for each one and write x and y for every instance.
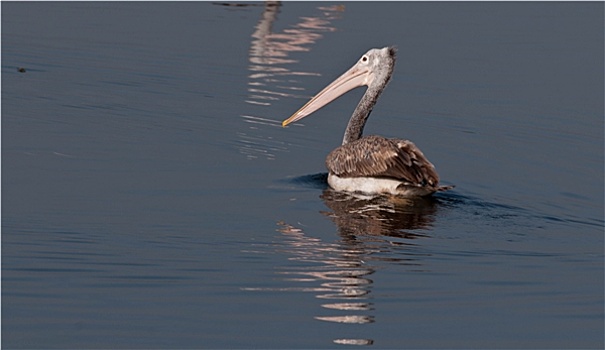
(151, 199)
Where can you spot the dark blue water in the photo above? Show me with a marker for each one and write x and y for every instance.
(151, 198)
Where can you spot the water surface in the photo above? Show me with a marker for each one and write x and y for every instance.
(151, 198)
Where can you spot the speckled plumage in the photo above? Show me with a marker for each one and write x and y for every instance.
(376, 156)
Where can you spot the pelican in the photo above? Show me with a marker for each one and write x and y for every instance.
(372, 164)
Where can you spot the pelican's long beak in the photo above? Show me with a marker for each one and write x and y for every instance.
(357, 76)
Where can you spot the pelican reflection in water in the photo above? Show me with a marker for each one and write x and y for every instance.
(372, 164)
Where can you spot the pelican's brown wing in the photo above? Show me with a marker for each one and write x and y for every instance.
(375, 156)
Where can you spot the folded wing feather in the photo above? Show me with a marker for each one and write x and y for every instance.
(376, 156)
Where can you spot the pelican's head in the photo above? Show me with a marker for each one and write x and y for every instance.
(373, 69)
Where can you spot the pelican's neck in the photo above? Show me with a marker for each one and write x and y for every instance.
(360, 116)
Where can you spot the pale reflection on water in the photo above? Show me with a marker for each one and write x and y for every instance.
(270, 77)
(370, 228)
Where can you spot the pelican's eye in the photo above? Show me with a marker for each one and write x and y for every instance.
(364, 59)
